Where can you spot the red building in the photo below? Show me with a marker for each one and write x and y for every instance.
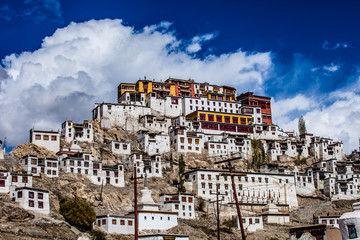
(249, 99)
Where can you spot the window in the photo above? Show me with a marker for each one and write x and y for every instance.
(183, 207)
(122, 222)
(257, 220)
(117, 146)
(25, 179)
(183, 199)
(31, 194)
(130, 222)
(176, 206)
(19, 194)
(53, 138)
(190, 199)
(209, 176)
(31, 203)
(37, 137)
(189, 140)
(14, 179)
(40, 195)
(202, 176)
(40, 204)
(211, 118)
(352, 231)
(182, 140)
(46, 137)
(218, 118)
(103, 221)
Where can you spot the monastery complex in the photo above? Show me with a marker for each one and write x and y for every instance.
(198, 120)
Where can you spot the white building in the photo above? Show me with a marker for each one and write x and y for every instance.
(116, 224)
(350, 223)
(145, 163)
(182, 203)
(251, 223)
(83, 132)
(121, 148)
(330, 221)
(251, 187)
(33, 199)
(47, 139)
(104, 174)
(149, 215)
(82, 163)
(40, 166)
(153, 142)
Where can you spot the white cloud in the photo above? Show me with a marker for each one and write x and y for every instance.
(83, 63)
(195, 43)
(339, 120)
(332, 67)
(326, 45)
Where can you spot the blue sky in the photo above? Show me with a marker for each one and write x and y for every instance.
(304, 54)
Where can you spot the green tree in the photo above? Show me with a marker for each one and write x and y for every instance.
(78, 213)
(171, 161)
(182, 166)
(258, 154)
(301, 125)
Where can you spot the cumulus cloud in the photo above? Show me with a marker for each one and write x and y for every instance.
(195, 43)
(338, 119)
(83, 63)
(327, 46)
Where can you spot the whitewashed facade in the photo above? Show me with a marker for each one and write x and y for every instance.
(40, 166)
(47, 139)
(121, 148)
(33, 199)
(116, 224)
(151, 165)
(183, 204)
(83, 132)
(251, 223)
(251, 188)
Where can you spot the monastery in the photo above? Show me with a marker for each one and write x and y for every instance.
(197, 119)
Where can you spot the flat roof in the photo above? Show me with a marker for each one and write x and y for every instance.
(225, 171)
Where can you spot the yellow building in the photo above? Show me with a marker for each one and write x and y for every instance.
(219, 117)
(225, 122)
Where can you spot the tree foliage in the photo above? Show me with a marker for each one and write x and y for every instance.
(258, 154)
(182, 166)
(78, 213)
(301, 125)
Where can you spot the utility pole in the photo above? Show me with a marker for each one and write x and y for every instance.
(136, 207)
(217, 210)
(231, 174)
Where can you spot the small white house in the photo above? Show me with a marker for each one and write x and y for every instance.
(121, 148)
(83, 132)
(47, 139)
(33, 199)
(251, 224)
(331, 221)
(182, 203)
(350, 223)
(151, 165)
(116, 224)
(37, 166)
